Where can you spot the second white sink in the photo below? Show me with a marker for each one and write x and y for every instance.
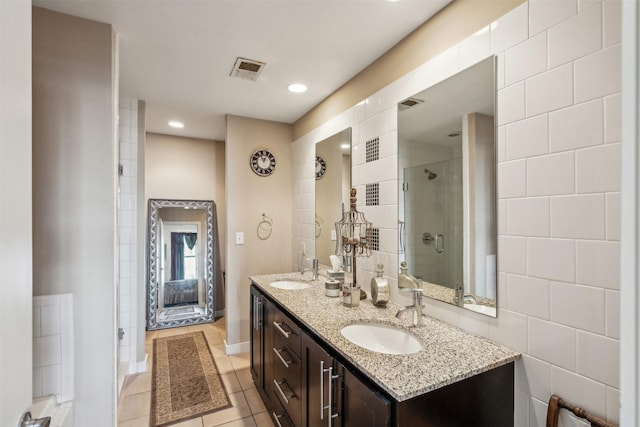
(381, 338)
(289, 285)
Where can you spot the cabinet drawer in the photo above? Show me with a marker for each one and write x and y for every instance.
(287, 366)
(279, 416)
(285, 328)
(288, 399)
(286, 384)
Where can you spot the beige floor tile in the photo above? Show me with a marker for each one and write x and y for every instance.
(135, 406)
(213, 338)
(231, 382)
(224, 364)
(263, 419)
(246, 381)
(171, 332)
(254, 400)
(195, 328)
(136, 422)
(244, 422)
(240, 361)
(239, 410)
(150, 336)
(218, 350)
(196, 422)
(136, 383)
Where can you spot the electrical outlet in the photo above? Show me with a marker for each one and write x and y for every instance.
(239, 238)
(333, 235)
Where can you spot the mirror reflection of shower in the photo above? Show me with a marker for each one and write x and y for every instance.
(433, 213)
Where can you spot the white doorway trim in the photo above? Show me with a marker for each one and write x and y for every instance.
(630, 219)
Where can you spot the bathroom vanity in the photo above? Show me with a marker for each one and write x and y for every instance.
(309, 374)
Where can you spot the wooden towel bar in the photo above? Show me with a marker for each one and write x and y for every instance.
(556, 403)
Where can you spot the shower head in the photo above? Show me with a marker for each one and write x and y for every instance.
(430, 175)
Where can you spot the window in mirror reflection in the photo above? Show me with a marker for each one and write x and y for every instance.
(447, 203)
(333, 184)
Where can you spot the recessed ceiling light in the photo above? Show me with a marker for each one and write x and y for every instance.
(176, 124)
(297, 88)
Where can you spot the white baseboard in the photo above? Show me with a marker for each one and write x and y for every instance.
(237, 348)
(142, 366)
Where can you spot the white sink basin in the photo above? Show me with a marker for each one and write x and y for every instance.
(484, 309)
(289, 285)
(381, 338)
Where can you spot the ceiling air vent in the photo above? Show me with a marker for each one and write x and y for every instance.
(247, 69)
(408, 103)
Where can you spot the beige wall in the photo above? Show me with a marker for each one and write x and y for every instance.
(74, 175)
(186, 169)
(15, 211)
(451, 25)
(248, 197)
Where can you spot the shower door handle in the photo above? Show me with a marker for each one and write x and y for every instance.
(439, 241)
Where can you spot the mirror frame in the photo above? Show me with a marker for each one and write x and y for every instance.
(153, 246)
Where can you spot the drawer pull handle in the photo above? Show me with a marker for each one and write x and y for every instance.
(286, 363)
(282, 392)
(277, 418)
(282, 331)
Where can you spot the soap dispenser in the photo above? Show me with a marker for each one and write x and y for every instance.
(380, 291)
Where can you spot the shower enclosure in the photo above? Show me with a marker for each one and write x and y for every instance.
(433, 209)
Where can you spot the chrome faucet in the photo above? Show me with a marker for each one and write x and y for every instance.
(469, 298)
(459, 298)
(313, 269)
(416, 307)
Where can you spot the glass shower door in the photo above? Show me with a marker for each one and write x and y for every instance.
(433, 221)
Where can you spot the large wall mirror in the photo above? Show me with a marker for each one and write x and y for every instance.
(180, 263)
(447, 203)
(333, 184)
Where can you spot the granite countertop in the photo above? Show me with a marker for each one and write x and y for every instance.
(449, 354)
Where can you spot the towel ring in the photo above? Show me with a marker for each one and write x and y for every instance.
(265, 227)
(318, 226)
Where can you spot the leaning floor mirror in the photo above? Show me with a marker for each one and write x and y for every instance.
(447, 203)
(181, 263)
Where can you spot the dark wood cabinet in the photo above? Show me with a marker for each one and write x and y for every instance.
(336, 397)
(318, 392)
(305, 383)
(361, 405)
(261, 365)
(287, 365)
(257, 338)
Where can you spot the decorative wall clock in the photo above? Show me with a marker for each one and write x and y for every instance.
(262, 162)
(321, 167)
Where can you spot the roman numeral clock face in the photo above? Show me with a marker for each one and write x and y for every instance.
(263, 162)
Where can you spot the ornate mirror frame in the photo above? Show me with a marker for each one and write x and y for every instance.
(153, 248)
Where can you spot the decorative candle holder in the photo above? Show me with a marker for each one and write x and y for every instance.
(353, 235)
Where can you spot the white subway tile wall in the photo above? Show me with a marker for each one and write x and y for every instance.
(558, 117)
(53, 356)
(127, 232)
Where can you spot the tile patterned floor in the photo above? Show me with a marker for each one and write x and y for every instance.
(247, 410)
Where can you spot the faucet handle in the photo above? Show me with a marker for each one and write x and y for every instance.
(417, 295)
